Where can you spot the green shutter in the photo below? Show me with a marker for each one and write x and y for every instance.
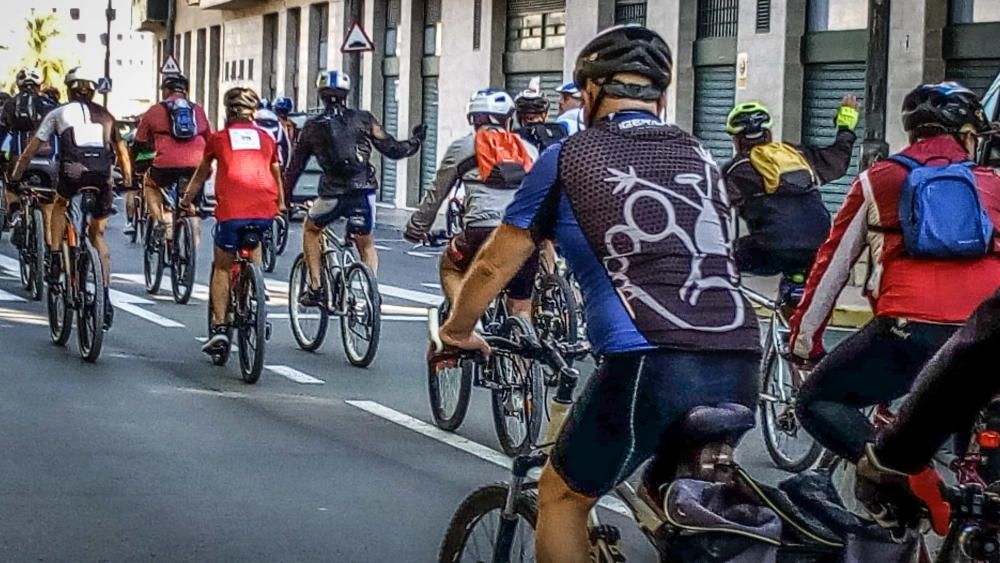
(391, 123)
(714, 96)
(825, 85)
(975, 74)
(428, 154)
(517, 83)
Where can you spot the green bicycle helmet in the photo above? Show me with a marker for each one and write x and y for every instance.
(751, 120)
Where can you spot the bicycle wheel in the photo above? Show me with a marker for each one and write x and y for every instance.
(221, 357)
(308, 323)
(24, 258)
(361, 320)
(182, 261)
(449, 388)
(268, 252)
(37, 255)
(518, 401)
(252, 311)
(472, 531)
(90, 313)
(280, 234)
(791, 448)
(553, 309)
(152, 259)
(140, 221)
(134, 219)
(60, 315)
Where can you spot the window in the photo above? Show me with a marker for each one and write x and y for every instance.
(837, 15)
(74, 13)
(718, 18)
(763, 16)
(120, 37)
(392, 15)
(250, 69)
(477, 25)
(81, 37)
(432, 23)
(104, 39)
(630, 11)
(536, 31)
(242, 68)
(118, 62)
(227, 75)
(974, 11)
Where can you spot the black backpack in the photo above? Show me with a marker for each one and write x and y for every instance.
(542, 135)
(26, 112)
(85, 165)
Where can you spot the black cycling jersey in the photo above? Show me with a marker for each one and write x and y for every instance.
(542, 135)
(341, 140)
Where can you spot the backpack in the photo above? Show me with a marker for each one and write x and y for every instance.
(501, 158)
(85, 165)
(783, 168)
(183, 124)
(26, 113)
(940, 214)
(542, 135)
(348, 144)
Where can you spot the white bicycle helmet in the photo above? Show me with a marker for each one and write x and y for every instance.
(268, 121)
(79, 74)
(29, 75)
(496, 104)
(333, 80)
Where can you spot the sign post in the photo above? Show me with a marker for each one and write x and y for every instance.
(356, 41)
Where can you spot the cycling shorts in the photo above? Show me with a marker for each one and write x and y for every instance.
(166, 177)
(466, 245)
(227, 233)
(631, 410)
(359, 205)
(105, 199)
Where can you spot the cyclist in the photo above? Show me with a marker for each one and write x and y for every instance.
(488, 111)
(142, 159)
(775, 188)
(89, 140)
(248, 193)
(177, 130)
(341, 139)
(269, 121)
(532, 108)
(663, 304)
(282, 107)
(19, 117)
(918, 301)
(570, 108)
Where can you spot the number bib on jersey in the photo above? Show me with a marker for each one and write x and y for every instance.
(244, 139)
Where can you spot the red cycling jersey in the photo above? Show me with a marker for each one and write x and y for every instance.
(245, 186)
(917, 289)
(170, 152)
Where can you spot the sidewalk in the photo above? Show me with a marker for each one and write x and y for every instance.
(852, 309)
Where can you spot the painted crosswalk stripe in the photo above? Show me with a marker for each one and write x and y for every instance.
(382, 247)
(410, 295)
(131, 304)
(295, 375)
(431, 285)
(7, 296)
(10, 264)
(421, 254)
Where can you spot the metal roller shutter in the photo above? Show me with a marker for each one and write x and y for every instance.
(428, 154)
(975, 74)
(630, 11)
(391, 123)
(517, 83)
(526, 7)
(825, 86)
(715, 94)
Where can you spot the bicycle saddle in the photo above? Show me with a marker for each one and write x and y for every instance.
(726, 423)
(356, 224)
(249, 238)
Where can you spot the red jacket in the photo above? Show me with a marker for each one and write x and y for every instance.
(918, 289)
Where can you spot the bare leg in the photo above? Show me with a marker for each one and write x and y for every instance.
(520, 308)
(154, 200)
(221, 265)
(561, 535)
(130, 197)
(313, 251)
(57, 223)
(47, 217)
(366, 248)
(451, 278)
(97, 227)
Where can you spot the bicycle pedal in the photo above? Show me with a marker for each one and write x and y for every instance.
(607, 533)
(267, 330)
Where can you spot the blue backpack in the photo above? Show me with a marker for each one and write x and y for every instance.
(940, 213)
(182, 120)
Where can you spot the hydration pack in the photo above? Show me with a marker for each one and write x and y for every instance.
(940, 213)
(501, 158)
(542, 135)
(183, 125)
(86, 163)
(26, 112)
(782, 168)
(348, 145)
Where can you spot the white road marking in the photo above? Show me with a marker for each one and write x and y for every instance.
(382, 247)
(464, 444)
(410, 295)
(431, 285)
(295, 375)
(22, 317)
(130, 304)
(404, 318)
(7, 296)
(199, 291)
(421, 254)
(10, 264)
(403, 310)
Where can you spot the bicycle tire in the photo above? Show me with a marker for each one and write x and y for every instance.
(444, 418)
(24, 261)
(220, 358)
(133, 217)
(298, 280)
(528, 407)
(281, 234)
(90, 313)
(471, 513)
(252, 331)
(3, 208)
(140, 223)
(268, 254)
(553, 307)
(60, 315)
(38, 255)
(183, 261)
(152, 260)
(769, 425)
(371, 314)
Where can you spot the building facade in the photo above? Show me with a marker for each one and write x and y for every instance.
(799, 57)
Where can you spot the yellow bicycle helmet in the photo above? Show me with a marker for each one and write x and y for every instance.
(751, 120)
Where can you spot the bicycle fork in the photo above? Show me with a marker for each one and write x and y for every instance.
(508, 518)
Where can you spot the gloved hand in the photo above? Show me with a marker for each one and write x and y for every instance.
(895, 499)
(419, 132)
(413, 234)
(847, 115)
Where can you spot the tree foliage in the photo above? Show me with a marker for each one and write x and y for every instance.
(41, 53)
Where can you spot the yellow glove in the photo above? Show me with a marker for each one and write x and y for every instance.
(847, 118)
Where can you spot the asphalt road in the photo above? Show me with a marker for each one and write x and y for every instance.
(153, 453)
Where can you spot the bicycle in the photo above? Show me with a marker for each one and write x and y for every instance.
(790, 447)
(179, 253)
(556, 305)
(137, 218)
(350, 292)
(275, 243)
(80, 285)
(31, 253)
(246, 310)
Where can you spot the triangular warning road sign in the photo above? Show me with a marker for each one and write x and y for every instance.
(170, 66)
(357, 41)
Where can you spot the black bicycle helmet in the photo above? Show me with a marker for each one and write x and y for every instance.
(626, 49)
(531, 101)
(946, 107)
(175, 82)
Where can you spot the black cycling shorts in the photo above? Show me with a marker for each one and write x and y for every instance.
(105, 199)
(466, 245)
(166, 177)
(631, 409)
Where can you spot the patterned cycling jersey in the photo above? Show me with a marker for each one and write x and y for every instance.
(640, 211)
